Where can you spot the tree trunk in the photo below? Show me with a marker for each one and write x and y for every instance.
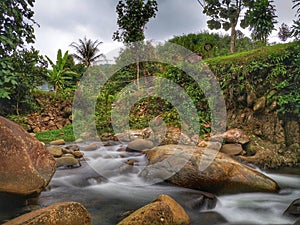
(137, 72)
(232, 38)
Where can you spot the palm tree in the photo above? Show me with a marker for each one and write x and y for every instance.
(297, 6)
(87, 51)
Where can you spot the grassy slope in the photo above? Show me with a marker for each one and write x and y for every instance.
(65, 133)
(239, 58)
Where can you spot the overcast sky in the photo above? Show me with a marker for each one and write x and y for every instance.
(64, 21)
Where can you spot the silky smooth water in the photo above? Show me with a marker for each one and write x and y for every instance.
(119, 189)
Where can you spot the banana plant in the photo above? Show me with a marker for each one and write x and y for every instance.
(59, 74)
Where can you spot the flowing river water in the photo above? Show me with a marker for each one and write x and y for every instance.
(123, 191)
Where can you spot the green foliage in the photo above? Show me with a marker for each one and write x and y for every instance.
(274, 69)
(133, 15)
(59, 73)
(65, 133)
(224, 14)
(284, 32)
(16, 29)
(296, 26)
(297, 6)
(261, 19)
(210, 45)
(87, 51)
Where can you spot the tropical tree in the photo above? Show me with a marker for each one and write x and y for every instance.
(16, 29)
(133, 15)
(87, 51)
(297, 5)
(284, 32)
(260, 17)
(296, 25)
(225, 14)
(59, 73)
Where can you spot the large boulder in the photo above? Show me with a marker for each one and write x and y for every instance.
(26, 167)
(162, 211)
(65, 213)
(182, 164)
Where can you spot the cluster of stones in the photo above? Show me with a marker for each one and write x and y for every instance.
(55, 114)
(65, 156)
(44, 122)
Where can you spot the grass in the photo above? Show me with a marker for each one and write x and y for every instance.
(247, 56)
(65, 133)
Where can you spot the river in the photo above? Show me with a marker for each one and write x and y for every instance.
(110, 197)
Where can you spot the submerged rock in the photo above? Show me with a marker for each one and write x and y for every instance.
(26, 167)
(212, 218)
(65, 213)
(297, 222)
(198, 200)
(182, 165)
(294, 209)
(162, 211)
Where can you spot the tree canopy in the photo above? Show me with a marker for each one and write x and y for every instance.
(224, 14)
(133, 15)
(87, 51)
(16, 29)
(261, 19)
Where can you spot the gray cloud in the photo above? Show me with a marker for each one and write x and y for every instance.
(65, 21)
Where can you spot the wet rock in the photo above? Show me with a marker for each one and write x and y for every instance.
(73, 147)
(58, 142)
(68, 161)
(181, 165)
(65, 213)
(162, 211)
(128, 167)
(198, 201)
(56, 151)
(232, 149)
(90, 147)
(77, 154)
(26, 167)
(212, 218)
(139, 145)
(294, 209)
(297, 222)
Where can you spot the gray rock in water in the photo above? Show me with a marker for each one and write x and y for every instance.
(68, 161)
(294, 209)
(297, 222)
